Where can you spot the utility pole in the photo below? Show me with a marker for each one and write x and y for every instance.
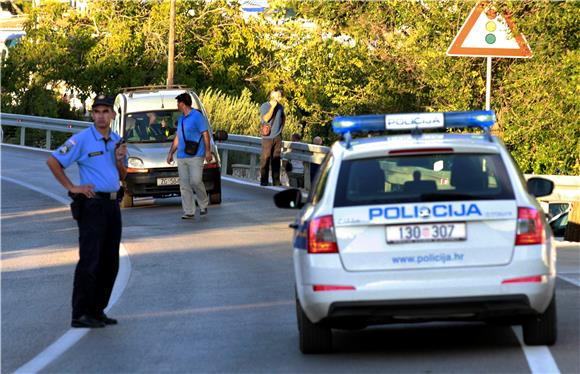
(171, 46)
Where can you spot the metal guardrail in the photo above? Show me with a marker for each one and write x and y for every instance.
(308, 153)
(567, 187)
(41, 123)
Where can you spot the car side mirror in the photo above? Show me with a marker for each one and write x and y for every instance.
(540, 186)
(221, 135)
(289, 199)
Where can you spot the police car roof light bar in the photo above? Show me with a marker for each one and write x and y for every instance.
(414, 122)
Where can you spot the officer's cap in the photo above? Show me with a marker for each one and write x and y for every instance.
(102, 100)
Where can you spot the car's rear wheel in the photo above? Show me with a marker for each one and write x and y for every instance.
(314, 337)
(127, 201)
(215, 198)
(542, 329)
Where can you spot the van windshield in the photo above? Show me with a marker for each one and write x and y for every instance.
(445, 177)
(151, 127)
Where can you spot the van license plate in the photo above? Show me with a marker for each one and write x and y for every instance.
(167, 181)
(431, 232)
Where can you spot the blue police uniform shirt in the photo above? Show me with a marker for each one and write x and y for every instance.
(195, 123)
(95, 157)
(277, 120)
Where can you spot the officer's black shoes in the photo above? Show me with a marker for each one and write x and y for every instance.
(263, 184)
(187, 216)
(86, 321)
(106, 320)
(203, 212)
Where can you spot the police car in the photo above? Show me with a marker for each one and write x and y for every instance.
(424, 225)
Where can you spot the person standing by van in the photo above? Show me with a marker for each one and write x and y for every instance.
(192, 126)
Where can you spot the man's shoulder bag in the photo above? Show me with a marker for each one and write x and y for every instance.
(190, 146)
(265, 129)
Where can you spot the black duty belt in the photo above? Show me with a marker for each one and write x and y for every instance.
(106, 195)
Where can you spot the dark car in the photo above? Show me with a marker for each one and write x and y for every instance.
(559, 223)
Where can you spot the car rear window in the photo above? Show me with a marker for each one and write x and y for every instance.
(422, 178)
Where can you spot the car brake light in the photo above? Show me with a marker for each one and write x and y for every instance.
(326, 287)
(533, 279)
(321, 238)
(530, 228)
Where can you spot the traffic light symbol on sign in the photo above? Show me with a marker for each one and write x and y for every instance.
(491, 26)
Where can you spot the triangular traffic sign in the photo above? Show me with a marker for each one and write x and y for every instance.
(486, 33)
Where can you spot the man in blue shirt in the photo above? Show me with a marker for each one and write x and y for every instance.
(272, 113)
(102, 160)
(191, 126)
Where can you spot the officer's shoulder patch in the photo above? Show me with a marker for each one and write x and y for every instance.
(67, 146)
(64, 149)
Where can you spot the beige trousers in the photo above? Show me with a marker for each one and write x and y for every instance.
(191, 180)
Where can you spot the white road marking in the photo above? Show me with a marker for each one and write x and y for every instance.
(539, 358)
(572, 278)
(72, 336)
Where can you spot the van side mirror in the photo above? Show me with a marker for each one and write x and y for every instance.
(221, 135)
(289, 199)
(540, 186)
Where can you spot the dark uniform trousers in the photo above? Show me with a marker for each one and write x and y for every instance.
(96, 271)
(271, 150)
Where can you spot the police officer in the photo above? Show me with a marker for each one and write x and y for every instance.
(101, 156)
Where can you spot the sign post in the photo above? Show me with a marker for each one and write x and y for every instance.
(488, 85)
(488, 34)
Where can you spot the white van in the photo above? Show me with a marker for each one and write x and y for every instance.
(147, 120)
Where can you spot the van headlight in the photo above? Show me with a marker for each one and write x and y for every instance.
(135, 162)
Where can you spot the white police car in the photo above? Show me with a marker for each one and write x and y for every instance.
(422, 226)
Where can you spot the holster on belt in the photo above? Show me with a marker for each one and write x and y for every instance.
(76, 206)
(120, 194)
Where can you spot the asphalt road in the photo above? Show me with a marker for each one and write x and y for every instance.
(216, 295)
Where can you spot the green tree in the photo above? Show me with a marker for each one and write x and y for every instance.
(331, 58)
(398, 63)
